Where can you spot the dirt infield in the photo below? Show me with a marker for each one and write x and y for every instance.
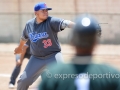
(109, 54)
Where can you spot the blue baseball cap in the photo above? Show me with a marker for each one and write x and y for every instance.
(41, 6)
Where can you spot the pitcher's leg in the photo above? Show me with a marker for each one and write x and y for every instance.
(31, 73)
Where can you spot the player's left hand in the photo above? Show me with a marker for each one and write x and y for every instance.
(18, 50)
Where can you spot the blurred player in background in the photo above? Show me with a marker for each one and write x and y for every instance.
(19, 59)
(81, 73)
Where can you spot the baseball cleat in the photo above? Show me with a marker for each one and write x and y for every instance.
(11, 86)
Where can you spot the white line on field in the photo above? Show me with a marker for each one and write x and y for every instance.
(5, 75)
(9, 75)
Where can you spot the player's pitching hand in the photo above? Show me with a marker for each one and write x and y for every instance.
(18, 50)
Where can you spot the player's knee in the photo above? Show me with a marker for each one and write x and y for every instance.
(23, 81)
(24, 78)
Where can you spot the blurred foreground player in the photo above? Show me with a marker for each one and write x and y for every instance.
(81, 73)
(19, 59)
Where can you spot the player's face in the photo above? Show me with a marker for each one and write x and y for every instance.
(42, 14)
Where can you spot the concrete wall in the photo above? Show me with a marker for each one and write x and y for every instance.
(15, 13)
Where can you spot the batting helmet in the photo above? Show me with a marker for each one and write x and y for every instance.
(85, 31)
